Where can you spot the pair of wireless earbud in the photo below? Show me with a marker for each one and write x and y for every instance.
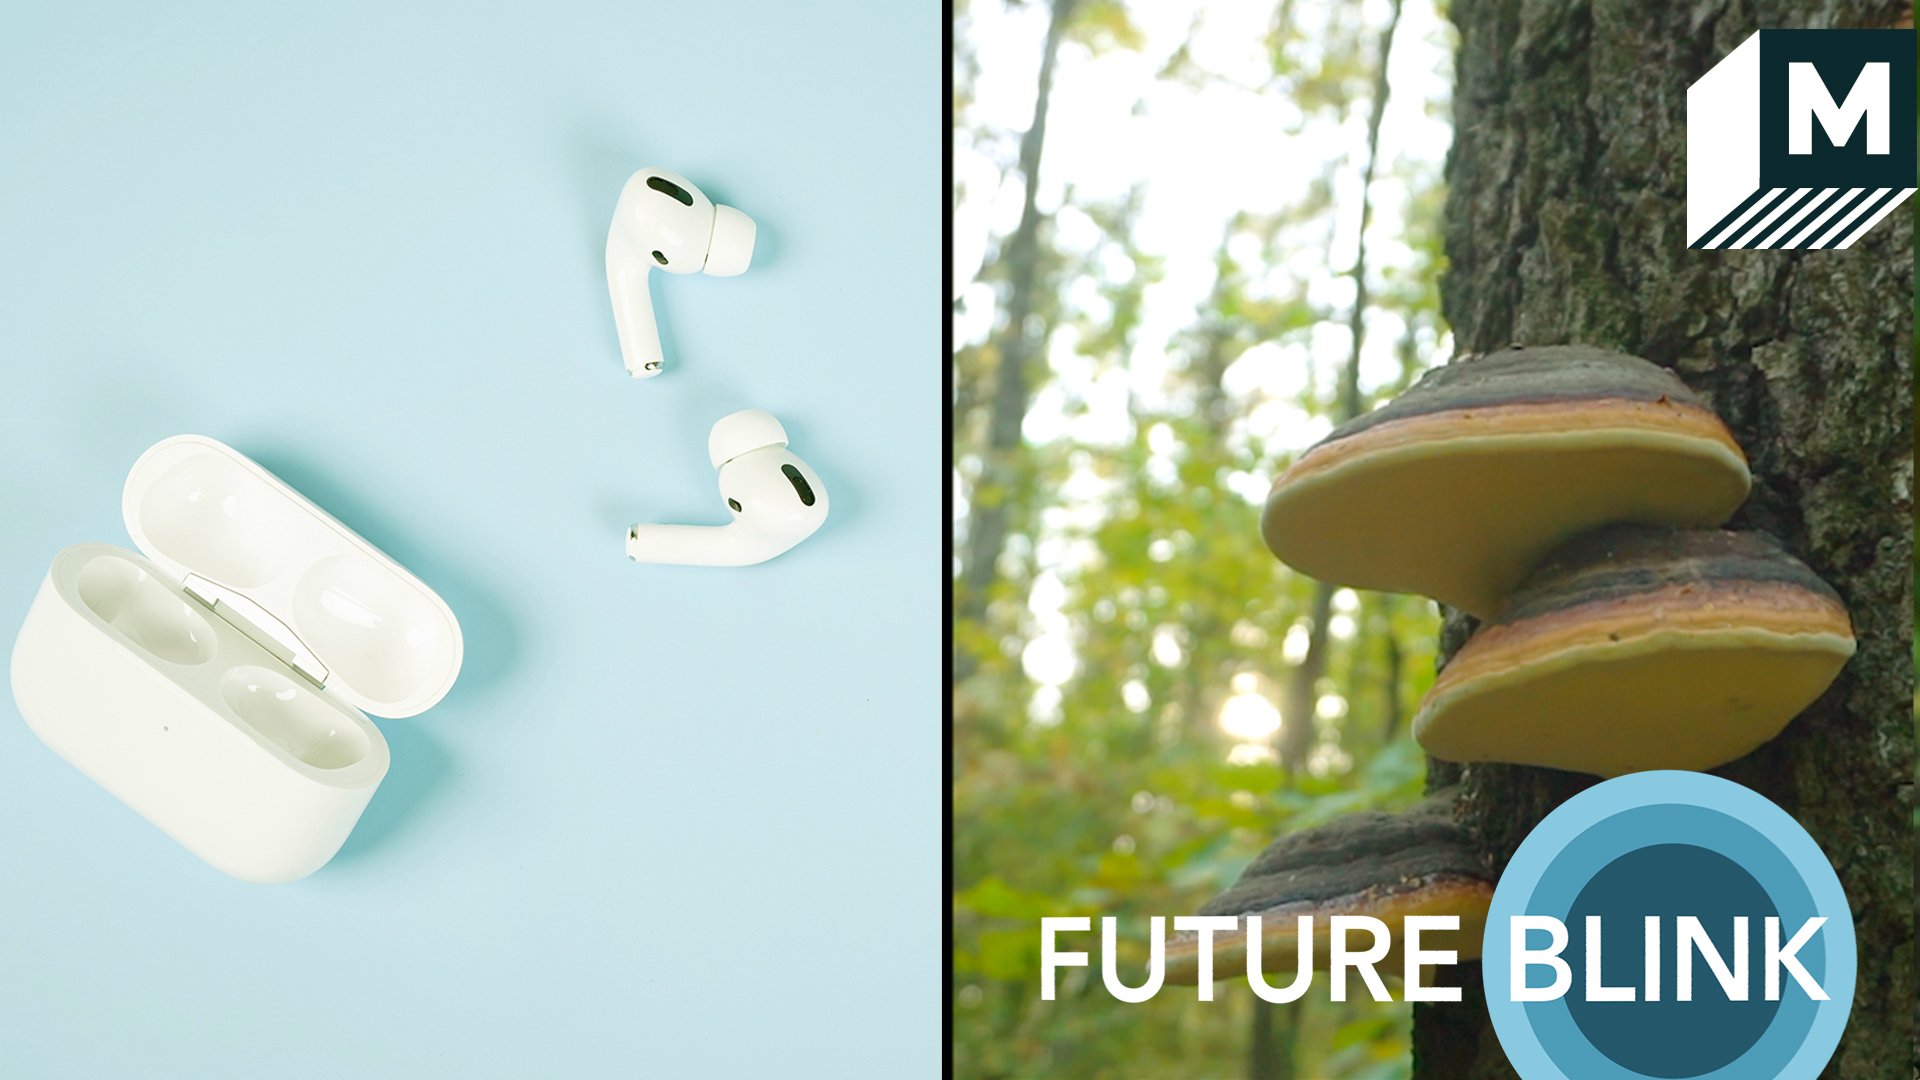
(662, 221)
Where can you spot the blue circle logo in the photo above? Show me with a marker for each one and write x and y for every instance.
(1668, 925)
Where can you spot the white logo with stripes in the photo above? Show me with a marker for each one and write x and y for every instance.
(1729, 203)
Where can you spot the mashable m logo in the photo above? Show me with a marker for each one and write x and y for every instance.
(1807, 100)
(1801, 139)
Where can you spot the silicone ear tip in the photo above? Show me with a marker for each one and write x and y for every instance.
(742, 433)
(731, 248)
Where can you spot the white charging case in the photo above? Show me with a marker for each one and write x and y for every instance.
(219, 684)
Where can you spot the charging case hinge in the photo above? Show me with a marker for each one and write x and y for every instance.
(259, 625)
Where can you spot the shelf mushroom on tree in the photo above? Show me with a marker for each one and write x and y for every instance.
(1639, 648)
(1565, 220)
(1387, 866)
(1549, 483)
(1457, 487)
(1569, 497)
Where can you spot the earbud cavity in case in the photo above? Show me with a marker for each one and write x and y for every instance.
(218, 681)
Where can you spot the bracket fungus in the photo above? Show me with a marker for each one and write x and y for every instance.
(1637, 648)
(1457, 487)
(1388, 866)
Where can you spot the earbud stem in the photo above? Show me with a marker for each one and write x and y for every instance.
(633, 314)
(696, 545)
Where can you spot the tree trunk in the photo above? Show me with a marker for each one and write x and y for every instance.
(1566, 220)
(1298, 733)
(1019, 345)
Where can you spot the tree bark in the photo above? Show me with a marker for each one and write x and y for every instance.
(1566, 220)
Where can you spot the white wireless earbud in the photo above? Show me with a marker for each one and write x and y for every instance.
(775, 499)
(662, 221)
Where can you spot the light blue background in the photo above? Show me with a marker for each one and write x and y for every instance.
(670, 821)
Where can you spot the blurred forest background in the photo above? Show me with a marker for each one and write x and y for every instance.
(1189, 240)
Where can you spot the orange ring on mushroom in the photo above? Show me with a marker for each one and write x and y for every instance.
(1637, 648)
(1456, 488)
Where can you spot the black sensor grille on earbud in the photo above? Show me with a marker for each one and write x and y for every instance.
(668, 187)
(799, 483)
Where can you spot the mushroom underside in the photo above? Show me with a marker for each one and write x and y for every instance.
(1666, 698)
(1637, 648)
(1463, 515)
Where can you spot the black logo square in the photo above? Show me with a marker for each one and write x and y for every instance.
(1839, 57)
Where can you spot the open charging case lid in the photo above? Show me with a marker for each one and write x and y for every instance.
(308, 589)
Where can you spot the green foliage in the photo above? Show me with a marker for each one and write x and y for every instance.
(1103, 24)
(1118, 791)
